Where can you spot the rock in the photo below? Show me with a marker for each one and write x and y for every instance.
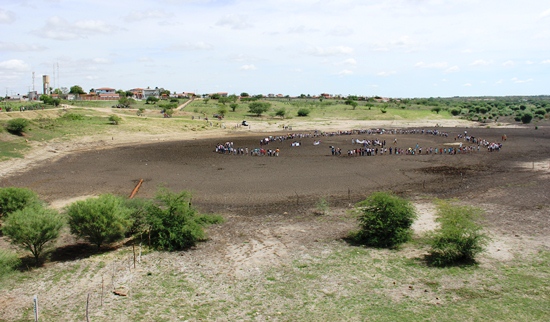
(121, 291)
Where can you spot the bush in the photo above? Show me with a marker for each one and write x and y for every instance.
(17, 126)
(455, 111)
(458, 239)
(258, 107)
(8, 262)
(303, 112)
(526, 118)
(99, 220)
(174, 223)
(385, 220)
(32, 228)
(13, 199)
(281, 112)
(115, 119)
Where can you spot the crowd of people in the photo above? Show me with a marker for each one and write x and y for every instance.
(371, 146)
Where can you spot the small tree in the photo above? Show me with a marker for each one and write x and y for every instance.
(233, 106)
(222, 110)
(526, 118)
(281, 112)
(437, 109)
(17, 126)
(385, 220)
(8, 262)
(458, 239)
(99, 220)
(13, 199)
(303, 112)
(174, 223)
(151, 100)
(115, 119)
(32, 228)
(258, 107)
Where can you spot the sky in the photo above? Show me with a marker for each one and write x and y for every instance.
(392, 48)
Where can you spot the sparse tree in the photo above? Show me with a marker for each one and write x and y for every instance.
(100, 220)
(233, 106)
(385, 220)
(258, 107)
(33, 228)
(77, 90)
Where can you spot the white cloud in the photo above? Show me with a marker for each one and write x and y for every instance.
(528, 62)
(20, 47)
(349, 61)
(521, 81)
(452, 69)
(201, 45)
(248, 67)
(6, 16)
(481, 62)
(345, 72)
(545, 14)
(404, 43)
(238, 22)
(500, 81)
(340, 31)
(330, 51)
(101, 61)
(437, 65)
(148, 14)
(301, 29)
(386, 73)
(15, 65)
(547, 61)
(508, 63)
(467, 85)
(60, 29)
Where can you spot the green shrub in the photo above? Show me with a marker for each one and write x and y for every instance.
(8, 262)
(32, 228)
(455, 111)
(281, 112)
(458, 239)
(174, 223)
(73, 116)
(303, 112)
(99, 220)
(17, 126)
(385, 220)
(526, 118)
(13, 199)
(115, 119)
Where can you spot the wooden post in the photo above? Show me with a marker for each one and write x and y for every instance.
(102, 290)
(87, 304)
(134, 250)
(35, 302)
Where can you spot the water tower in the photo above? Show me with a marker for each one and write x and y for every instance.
(46, 84)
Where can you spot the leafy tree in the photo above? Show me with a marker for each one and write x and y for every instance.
(206, 99)
(17, 126)
(303, 112)
(437, 109)
(174, 223)
(244, 94)
(115, 119)
(13, 199)
(77, 90)
(233, 106)
(526, 118)
(223, 100)
(233, 98)
(354, 104)
(140, 111)
(215, 96)
(100, 220)
(281, 112)
(151, 100)
(258, 107)
(458, 239)
(385, 220)
(222, 110)
(126, 102)
(129, 94)
(32, 228)
(455, 111)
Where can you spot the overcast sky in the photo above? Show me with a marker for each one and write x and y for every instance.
(394, 48)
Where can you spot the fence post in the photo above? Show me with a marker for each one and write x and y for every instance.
(35, 301)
